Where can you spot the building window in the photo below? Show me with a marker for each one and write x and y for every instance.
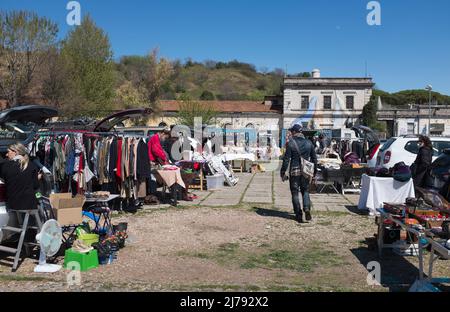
(305, 125)
(327, 102)
(305, 102)
(411, 128)
(350, 102)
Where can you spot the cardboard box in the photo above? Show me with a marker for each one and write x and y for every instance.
(65, 200)
(68, 216)
(67, 210)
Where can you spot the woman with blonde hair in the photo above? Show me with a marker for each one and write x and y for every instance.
(20, 177)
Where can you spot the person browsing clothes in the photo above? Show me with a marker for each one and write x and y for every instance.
(21, 179)
(298, 147)
(155, 150)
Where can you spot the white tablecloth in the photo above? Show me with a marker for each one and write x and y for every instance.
(376, 191)
(230, 157)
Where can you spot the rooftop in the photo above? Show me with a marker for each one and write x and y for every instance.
(226, 106)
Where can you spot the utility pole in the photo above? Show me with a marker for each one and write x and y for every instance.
(429, 88)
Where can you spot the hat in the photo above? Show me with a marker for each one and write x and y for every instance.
(296, 128)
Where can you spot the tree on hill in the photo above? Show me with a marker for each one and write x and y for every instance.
(149, 74)
(207, 96)
(369, 115)
(406, 97)
(25, 43)
(191, 109)
(88, 59)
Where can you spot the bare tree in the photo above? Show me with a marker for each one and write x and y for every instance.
(54, 75)
(25, 41)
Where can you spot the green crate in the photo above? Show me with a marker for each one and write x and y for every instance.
(87, 261)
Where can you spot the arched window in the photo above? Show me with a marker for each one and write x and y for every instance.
(229, 136)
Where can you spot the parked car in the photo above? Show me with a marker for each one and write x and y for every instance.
(107, 124)
(406, 148)
(20, 124)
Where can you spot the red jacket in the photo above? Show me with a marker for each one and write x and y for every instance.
(155, 150)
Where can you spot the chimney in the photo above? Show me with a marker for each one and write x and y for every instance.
(316, 73)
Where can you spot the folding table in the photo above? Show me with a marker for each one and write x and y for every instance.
(99, 208)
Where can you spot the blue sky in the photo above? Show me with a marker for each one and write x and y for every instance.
(408, 51)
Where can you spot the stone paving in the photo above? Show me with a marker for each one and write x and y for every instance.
(268, 189)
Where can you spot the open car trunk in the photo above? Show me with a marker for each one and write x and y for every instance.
(20, 124)
(108, 123)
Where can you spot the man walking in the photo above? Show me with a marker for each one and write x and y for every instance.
(298, 147)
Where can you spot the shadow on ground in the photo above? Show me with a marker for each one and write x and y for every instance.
(356, 210)
(397, 273)
(274, 213)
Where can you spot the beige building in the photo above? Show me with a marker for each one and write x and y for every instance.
(324, 103)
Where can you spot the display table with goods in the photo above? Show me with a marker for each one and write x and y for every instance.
(169, 177)
(98, 208)
(342, 178)
(375, 191)
(411, 228)
(192, 171)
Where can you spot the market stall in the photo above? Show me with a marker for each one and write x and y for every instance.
(340, 177)
(412, 219)
(376, 191)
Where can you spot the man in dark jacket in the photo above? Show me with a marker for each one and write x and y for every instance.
(294, 152)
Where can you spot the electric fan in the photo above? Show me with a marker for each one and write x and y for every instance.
(49, 239)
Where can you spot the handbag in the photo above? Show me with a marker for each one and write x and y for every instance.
(307, 167)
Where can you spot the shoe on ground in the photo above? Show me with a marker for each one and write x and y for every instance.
(308, 216)
(299, 218)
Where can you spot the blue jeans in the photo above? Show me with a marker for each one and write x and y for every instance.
(300, 184)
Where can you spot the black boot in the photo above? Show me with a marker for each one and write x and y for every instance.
(299, 217)
(308, 215)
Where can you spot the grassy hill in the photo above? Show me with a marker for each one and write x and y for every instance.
(222, 81)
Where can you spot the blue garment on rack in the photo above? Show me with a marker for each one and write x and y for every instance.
(70, 163)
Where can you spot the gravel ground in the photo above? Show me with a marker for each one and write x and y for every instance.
(248, 248)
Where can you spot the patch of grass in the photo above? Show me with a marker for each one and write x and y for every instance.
(228, 248)
(331, 213)
(224, 254)
(302, 261)
(325, 223)
(350, 232)
(216, 287)
(22, 278)
(200, 255)
(265, 245)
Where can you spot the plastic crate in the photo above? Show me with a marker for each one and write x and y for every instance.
(215, 182)
(87, 261)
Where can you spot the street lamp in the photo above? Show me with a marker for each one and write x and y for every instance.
(429, 88)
